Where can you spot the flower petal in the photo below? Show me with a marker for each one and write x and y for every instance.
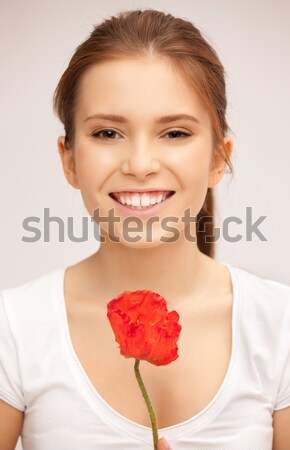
(143, 327)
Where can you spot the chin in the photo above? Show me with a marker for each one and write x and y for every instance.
(150, 241)
(141, 245)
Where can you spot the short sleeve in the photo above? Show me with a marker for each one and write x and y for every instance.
(10, 380)
(283, 393)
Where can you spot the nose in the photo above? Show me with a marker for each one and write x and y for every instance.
(140, 160)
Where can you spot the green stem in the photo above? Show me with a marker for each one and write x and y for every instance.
(148, 403)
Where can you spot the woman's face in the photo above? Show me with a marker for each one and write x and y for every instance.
(140, 151)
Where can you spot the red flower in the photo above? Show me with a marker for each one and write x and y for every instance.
(143, 327)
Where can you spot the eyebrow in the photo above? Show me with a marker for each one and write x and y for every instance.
(160, 120)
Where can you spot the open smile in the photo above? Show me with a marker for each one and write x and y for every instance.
(133, 205)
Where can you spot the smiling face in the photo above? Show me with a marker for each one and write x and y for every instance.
(139, 150)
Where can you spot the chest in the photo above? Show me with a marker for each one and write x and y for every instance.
(177, 391)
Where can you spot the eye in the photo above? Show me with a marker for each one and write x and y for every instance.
(177, 134)
(108, 134)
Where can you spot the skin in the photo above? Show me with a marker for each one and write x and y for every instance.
(163, 444)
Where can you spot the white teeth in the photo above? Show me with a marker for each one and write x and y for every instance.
(127, 199)
(140, 200)
(145, 200)
(158, 200)
(135, 200)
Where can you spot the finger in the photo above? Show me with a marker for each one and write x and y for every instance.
(163, 444)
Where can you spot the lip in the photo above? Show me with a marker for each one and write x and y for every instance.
(153, 189)
(141, 212)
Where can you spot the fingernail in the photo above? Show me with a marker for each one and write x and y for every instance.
(165, 445)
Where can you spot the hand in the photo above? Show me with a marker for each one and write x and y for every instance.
(163, 444)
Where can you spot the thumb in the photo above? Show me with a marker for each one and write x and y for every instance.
(163, 444)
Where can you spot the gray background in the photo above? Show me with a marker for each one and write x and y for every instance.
(37, 40)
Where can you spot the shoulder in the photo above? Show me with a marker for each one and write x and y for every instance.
(264, 332)
(263, 310)
(261, 293)
(28, 322)
(31, 287)
(31, 299)
(263, 314)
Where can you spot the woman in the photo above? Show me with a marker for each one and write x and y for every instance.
(143, 105)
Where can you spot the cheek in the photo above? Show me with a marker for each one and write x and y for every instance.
(92, 165)
(193, 166)
(89, 174)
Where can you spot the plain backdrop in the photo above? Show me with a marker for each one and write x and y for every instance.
(37, 40)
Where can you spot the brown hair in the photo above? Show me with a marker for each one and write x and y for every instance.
(146, 33)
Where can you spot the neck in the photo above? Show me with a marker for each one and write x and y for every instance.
(173, 270)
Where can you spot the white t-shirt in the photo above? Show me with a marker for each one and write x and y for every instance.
(41, 374)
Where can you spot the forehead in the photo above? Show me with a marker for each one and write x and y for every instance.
(137, 86)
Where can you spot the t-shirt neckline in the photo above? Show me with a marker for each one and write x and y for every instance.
(117, 420)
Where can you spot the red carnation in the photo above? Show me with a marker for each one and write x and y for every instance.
(144, 329)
